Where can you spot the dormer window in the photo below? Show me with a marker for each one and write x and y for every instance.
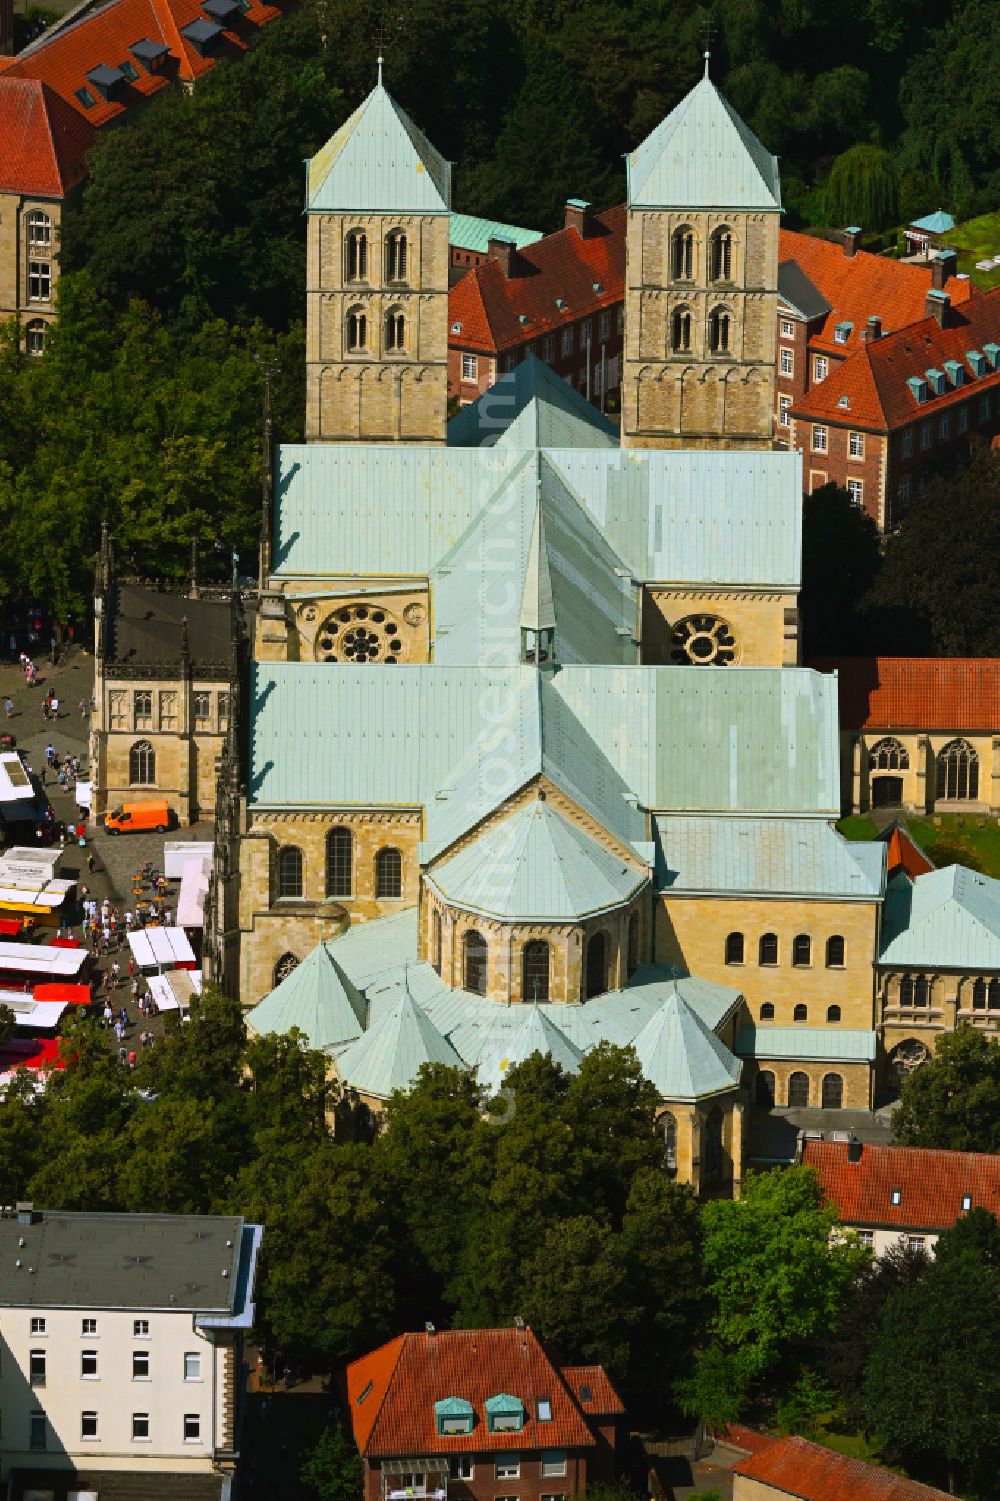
(204, 36)
(918, 389)
(504, 1414)
(150, 54)
(954, 371)
(106, 80)
(221, 10)
(977, 361)
(454, 1417)
(842, 332)
(935, 380)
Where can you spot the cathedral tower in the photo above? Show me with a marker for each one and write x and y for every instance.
(701, 279)
(378, 197)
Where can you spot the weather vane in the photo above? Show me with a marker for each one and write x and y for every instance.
(707, 34)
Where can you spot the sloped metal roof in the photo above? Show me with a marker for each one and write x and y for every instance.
(378, 162)
(946, 919)
(531, 407)
(802, 295)
(538, 612)
(391, 1052)
(818, 1044)
(469, 232)
(937, 223)
(317, 999)
(799, 857)
(537, 1033)
(703, 156)
(682, 1056)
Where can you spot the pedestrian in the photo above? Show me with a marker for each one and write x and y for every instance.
(90, 862)
(108, 1014)
(129, 920)
(135, 994)
(84, 709)
(50, 755)
(122, 1056)
(115, 974)
(131, 1058)
(54, 707)
(46, 705)
(106, 935)
(124, 1016)
(8, 707)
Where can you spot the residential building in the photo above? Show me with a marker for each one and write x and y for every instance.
(810, 1472)
(43, 148)
(922, 234)
(919, 733)
(902, 1195)
(480, 1413)
(469, 241)
(904, 404)
(559, 297)
(121, 1346)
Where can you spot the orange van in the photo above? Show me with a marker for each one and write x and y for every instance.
(129, 818)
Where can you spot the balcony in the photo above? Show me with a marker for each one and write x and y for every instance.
(415, 1480)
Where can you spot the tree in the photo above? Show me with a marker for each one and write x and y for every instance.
(577, 1293)
(8, 1022)
(840, 562)
(333, 1469)
(846, 1350)
(953, 1100)
(862, 187)
(976, 1236)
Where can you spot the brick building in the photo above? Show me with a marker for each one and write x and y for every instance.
(469, 241)
(794, 1467)
(903, 404)
(560, 298)
(480, 1415)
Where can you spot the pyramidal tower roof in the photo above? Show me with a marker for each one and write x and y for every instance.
(703, 156)
(390, 1053)
(681, 1055)
(318, 999)
(378, 162)
(538, 1033)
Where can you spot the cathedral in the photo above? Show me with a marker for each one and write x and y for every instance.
(485, 797)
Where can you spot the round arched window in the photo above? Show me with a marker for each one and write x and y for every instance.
(702, 641)
(360, 633)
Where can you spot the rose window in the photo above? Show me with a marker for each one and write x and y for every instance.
(704, 640)
(359, 633)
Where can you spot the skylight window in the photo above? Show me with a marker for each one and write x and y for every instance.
(897, 1196)
(365, 1391)
(966, 1201)
(86, 98)
(544, 1410)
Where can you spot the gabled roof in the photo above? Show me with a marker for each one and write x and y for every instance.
(813, 1473)
(766, 857)
(538, 1033)
(392, 1392)
(593, 1390)
(853, 288)
(556, 281)
(389, 1055)
(378, 162)
(318, 999)
(682, 1056)
(703, 156)
(931, 1184)
(948, 694)
(469, 232)
(531, 407)
(947, 919)
(903, 854)
(43, 142)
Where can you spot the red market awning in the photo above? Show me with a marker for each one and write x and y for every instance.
(10, 927)
(33, 1053)
(65, 943)
(61, 990)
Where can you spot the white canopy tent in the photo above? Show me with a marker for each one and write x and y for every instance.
(173, 991)
(194, 889)
(160, 948)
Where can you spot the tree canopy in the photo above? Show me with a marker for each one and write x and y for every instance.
(953, 1100)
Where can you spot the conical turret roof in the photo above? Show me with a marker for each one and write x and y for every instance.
(538, 1033)
(538, 612)
(682, 1056)
(318, 999)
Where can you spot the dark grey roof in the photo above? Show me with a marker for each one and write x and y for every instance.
(220, 10)
(137, 1484)
(201, 31)
(148, 50)
(104, 77)
(795, 288)
(146, 625)
(143, 1261)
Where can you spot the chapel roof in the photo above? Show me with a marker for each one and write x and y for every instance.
(539, 1032)
(944, 919)
(389, 1055)
(681, 1055)
(318, 999)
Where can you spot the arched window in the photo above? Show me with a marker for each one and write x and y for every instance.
(680, 330)
(339, 862)
(801, 949)
(832, 1093)
(765, 1089)
(722, 255)
(682, 258)
(633, 943)
(284, 967)
(476, 954)
(994, 995)
(835, 952)
(666, 1126)
(906, 991)
(719, 325)
(536, 971)
(356, 268)
(388, 873)
(833, 1013)
(395, 331)
(734, 948)
(768, 948)
(798, 1090)
(436, 941)
(34, 336)
(290, 871)
(39, 228)
(958, 772)
(767, 1011)
(142, 764)
(357, 330)
(888, 754)
(395, 256)
(800, 1013)
(979, 995)
(921, 991)
(712, 1167)
(597, 966)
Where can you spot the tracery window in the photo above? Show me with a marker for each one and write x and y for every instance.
(290, 871)
(666, 1126)
(284, 966)
(142, 764)
(39, 228)
(597, 966)
(958, 772)
(889, 754)
(361, 633)
(712, 1167)
(702, 641)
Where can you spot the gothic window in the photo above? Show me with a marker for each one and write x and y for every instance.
(633, 942)
(142, 764)
(666, 1126)
(768, 948)
(357, 330)
(118, 704)
(958, 772)
(719, 326)
(357, 256)
(800, 1012)
(395, 331)
(203, 711)
(168, 710)
(683, 255)
(767, 1011)
(921, 991)
(801, 950)
(223, 712)
(765, 1089)
(979, 995)
(832, 1092)
(833, 1013)
(284, 967)
(388, 873)
(888, 754)
(339, 862)
(798, 1090)
(142, 708)
(835, 951)
(597, 966)
(734, 948)
(395, 256)
(536, 971)
(702, 641)
(476, 957)
(361, 633)
(906, 991)
(39, 228)
(290, 871)
(436, 941)
(680, 333)
(712, 1166)
(34, 336)
(905, 1057)
(994, 995)
(722, 255)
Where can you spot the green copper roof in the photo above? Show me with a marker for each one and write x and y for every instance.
(538, 612)
(818, 1044)
(317, 999)
(378, 162)
(946, 919)
(682, 1056)
(469, 232)
(531, 407)
(391, 1052)
(766, 857)
(703, 156)
(536, 866)
(537, 1033)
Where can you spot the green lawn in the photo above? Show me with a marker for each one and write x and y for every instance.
(977, 240)
(967, 839)
(857, 828)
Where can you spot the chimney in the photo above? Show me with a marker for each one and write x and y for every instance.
(936, 306)
(854, 1149)
(851, 237)
(578, 217)
(872, 330)
(429, 1329)
(504, 251)
(942, 266)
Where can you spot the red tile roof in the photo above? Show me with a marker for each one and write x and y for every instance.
(917, 693)
(799, 1468)
(903, 854)
(43, 142)
(932, 1184)
(858, 286)
(393, 1390)
(489, 305)
(63, 59)
(874, 379)
(592, 1389)
(748, 1439)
